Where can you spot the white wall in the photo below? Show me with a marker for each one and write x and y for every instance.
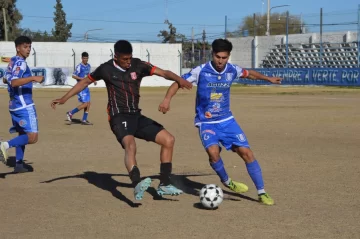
(59, 54)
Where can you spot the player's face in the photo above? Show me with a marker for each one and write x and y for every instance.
(24, 50)
(85, 60)
(123, 60)
(220, 59)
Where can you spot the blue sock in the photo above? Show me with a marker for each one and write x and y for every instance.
(220, 170)
(85, 116)
(74, 111)
(20, 150)
(21, 140)
(254, 171)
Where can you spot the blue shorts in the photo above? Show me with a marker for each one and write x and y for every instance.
(227, 133)
(24, 120)
(84, 95)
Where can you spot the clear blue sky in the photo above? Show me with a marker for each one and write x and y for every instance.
(143, 19)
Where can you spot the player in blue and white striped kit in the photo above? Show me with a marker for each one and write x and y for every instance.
(214, 118)
(81, 72)
(21, 105)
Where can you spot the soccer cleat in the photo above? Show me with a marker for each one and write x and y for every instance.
(85, 122)
(3, 153)
(69, 116)
(266, 199)
(168, 190)
(19, 168)
(141, 188)
(237, 187)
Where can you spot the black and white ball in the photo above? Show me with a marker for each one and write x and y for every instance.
(211, 196)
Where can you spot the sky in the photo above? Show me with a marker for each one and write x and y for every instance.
(141, 20)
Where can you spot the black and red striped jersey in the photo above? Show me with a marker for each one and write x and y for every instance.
(123, 85)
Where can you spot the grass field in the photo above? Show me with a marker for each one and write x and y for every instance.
(305, 138)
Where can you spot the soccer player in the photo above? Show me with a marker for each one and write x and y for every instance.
(21, 105)
(81, 71)
(214, 120)
(122, 76)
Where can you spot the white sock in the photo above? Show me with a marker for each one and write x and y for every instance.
(261, 191)
(227, 182)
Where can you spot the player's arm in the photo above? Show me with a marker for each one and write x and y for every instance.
(191, 77)
(169, 75)
(254, 75)
(17, 73)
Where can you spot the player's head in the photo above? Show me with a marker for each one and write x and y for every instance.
(123, 53)
(221, 49)
(23, 46)
(84, 57)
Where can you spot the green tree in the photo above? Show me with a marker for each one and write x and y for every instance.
(13, 18)
(277, 24)
(171, 36)
(62, 31)
(37, 36)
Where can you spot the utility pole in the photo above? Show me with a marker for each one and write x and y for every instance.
(192, 47)
(204, 49)
(268, 19)
(5, 24)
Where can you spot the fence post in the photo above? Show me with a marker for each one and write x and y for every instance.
(180, 65)
(74, 57)
(112, 54)
(321, 29)
(287, 39)
(34, 54)
(358, 37)
(148, 55)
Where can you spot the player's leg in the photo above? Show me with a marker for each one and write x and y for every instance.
(209, 135)
(86, 99)
(236, 140)
(124, 128)
(82, 99)
(150, 130)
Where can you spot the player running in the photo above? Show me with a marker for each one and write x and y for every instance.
(122, 76)
(81, 71)
(214, 119)
(21, 105)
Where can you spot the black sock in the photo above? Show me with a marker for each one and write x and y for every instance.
(165, 171)
(135, 175)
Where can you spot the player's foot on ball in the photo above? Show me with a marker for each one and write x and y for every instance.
(19, 168)
(69, 116)
(168, 190)
(237, 187)
(85, 122)
(3, 153)
(266, 199)
(141, 188)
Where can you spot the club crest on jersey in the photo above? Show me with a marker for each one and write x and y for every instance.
(229, 76)
(208, 115)
(133, 75)
(22, 123)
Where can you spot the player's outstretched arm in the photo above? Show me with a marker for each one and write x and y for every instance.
(23, 81)
(169, 75)
(254, 75)
(165, 104)
(73, 91)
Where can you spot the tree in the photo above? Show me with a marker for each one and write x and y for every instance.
(277, 24)
(171, 36)
(13, 17)
(62, 30)
(36, 36)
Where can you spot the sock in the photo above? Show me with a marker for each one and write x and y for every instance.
(19, 141)
(135, 175)
(6, 145)
(220, 171)
(165, 171)
(74, 111)
(85, 116)
(20, 150)
(254, 171)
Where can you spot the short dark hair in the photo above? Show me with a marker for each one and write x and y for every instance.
(21, 40)
(220, 45)
(84, 54)
(123, 47)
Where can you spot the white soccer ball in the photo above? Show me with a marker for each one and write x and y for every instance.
(211, 196)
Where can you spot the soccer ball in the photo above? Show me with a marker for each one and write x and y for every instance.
(211, 196)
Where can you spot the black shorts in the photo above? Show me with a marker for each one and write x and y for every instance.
(137, 125)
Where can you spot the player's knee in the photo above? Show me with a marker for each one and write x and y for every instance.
(169, 141)
(130, 146)
(33, 138)
(247, 155)
(214, 154)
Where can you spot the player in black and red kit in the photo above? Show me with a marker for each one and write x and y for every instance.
(122, 76)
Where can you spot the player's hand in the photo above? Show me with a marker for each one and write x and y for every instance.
(95, 83)
(5, 81)
(185, 84)
(38, 79)
(275, 80)
(164, 106)
(57, 102)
